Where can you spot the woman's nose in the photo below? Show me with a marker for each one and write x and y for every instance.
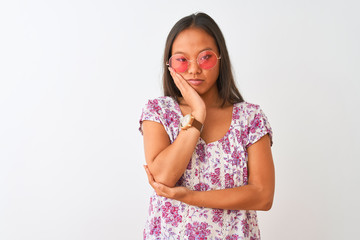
(194, 67)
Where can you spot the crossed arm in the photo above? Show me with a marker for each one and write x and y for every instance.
(167, 162)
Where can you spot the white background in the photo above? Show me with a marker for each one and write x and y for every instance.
(72, 85)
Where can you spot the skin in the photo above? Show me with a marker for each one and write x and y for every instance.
(167, 162)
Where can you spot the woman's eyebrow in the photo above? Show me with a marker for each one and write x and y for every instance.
(180, 52)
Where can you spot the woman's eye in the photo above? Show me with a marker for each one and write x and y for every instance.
(181, 59)
(206, 57)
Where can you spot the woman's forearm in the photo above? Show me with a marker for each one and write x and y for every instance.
(248, 197)
(170, 164)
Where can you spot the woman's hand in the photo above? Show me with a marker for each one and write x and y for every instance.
(177, 193)
(191, 97)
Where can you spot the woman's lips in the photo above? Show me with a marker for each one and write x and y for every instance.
(195, 82)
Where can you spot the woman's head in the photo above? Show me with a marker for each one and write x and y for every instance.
(202, 26)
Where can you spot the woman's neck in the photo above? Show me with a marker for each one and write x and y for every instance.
(211, 99)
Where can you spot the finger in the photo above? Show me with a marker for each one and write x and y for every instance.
(149, 175)
(176, 79)
(180, 82)
(161, 189)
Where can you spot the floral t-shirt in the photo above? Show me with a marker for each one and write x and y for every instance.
(217, 165)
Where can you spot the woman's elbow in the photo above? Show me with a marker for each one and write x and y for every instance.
(164, 178)
(267, 201)
(267, 206)
(264, 198)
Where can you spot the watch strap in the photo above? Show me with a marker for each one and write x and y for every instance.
(198, 125)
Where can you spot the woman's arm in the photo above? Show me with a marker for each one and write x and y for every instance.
(167, 162)
(257, 195)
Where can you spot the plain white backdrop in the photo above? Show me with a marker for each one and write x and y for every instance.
(74, 76)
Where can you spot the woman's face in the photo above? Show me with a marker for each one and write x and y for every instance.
(190, 42)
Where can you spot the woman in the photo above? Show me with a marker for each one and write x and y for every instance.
(213, 169)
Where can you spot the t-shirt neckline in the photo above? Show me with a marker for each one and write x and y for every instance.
(177, 106)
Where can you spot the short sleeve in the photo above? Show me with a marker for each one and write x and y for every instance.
(259, 126)
(151, 111)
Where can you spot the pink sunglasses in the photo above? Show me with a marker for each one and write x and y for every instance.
(206, 59)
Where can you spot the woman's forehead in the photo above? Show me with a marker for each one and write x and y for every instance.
(192, 41)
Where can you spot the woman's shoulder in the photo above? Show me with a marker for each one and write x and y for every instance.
(163, 99)
(246, 110)
(248, 104)
(161, 102)
(246, 107)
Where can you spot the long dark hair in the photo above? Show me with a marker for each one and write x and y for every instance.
(225, 82)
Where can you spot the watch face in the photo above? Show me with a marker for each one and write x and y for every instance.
(185, 120)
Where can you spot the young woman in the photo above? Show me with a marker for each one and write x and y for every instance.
(208, 152)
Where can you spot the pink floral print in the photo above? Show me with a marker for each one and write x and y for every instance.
(216, 165)
(217, 215)
(171, 214)
(215, 177)
(155, 226)
(197, 231)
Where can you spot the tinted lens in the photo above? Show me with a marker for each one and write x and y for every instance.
(178, 62)
(207, 59)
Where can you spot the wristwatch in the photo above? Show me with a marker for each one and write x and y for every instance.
(189, 121)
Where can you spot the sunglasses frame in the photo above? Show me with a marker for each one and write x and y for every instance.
(197, 60)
